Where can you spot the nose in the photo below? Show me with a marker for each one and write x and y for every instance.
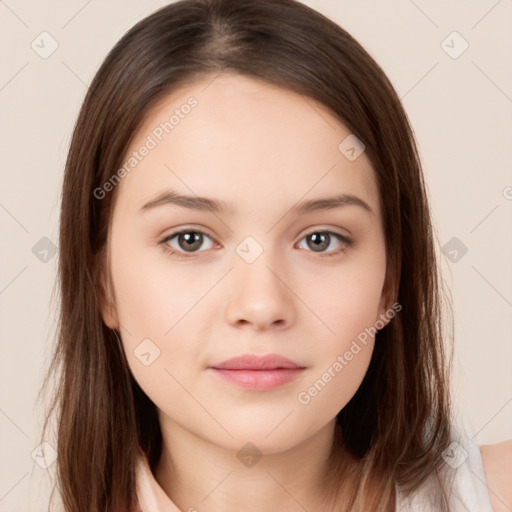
(260, 298)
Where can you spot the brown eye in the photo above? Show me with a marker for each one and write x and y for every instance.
(190, 241)
(186, 241)
(319, 241)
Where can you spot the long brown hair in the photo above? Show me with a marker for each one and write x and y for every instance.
(398, 423)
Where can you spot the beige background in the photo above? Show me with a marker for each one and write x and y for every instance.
(460, 110)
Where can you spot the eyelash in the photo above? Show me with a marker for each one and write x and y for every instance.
(349, 242)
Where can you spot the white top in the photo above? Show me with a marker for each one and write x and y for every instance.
(469, 492)
(469, 488)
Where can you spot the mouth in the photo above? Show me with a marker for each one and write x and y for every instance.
(258, 373)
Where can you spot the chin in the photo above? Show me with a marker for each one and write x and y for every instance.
(265, 440)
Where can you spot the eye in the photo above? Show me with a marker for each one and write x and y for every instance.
(187, 241)
(318, 241)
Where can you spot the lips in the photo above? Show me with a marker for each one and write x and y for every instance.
(255, 362)
(258, 373)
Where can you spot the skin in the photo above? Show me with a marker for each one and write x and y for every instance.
(262, 149)
(497, 462)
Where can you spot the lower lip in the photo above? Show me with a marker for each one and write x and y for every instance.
(259, 380)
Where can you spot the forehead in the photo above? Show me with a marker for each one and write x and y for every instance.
(245, 141)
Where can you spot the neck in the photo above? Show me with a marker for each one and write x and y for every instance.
(198, 475)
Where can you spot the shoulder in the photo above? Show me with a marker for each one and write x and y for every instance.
(497, 461)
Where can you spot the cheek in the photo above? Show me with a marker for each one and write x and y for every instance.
(155, 304)
(329, 390)
(345, 301)
(153, 294)
(344, 349)
(158, 336)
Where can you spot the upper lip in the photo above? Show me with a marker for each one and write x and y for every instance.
(256, 362)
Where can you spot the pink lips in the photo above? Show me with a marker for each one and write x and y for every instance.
(258, 372)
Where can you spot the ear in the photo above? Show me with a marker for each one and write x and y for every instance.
(387, 298)
(107, 302)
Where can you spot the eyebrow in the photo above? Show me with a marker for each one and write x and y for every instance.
(170, 197)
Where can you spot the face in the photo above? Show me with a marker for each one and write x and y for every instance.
(254, 271)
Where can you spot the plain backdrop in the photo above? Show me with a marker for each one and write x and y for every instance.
(458, 99)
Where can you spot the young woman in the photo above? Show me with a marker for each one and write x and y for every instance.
(250, 303)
